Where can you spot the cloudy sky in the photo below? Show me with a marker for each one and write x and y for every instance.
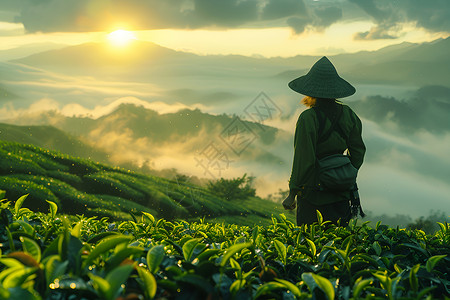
(249, 27)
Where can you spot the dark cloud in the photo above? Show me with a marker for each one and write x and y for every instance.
(102, 15)
(389, 15)
(226, 13)
(318, 17)
(325, 16)
(430, 14)
(298, 24)
(276, 9)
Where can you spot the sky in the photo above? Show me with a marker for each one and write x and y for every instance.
(248, 27)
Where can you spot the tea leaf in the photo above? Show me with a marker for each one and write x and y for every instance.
(376, 246)
(232, 251)
(53, 208)
(359, 286)
(105, 245)
(76, 230)
(154, 258)
(432, 261)
(189, 248)
(26, 227)
(291, 287)
(121, 255)
(31, 247)
(149, 282)
(237, 285)
(19, 203)
(17, 278)
(255, 233)
(101, 285)
(149, 216)
(116, 278)
(268, 287)
(312, 247)
(24, 258)
(325, 285)
(11, 262)
(281, 249)
(54, 268)
(319, 217)
(205, 255)
(413, 281)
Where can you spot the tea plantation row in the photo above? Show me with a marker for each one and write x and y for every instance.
(81, 186)
(53, 256)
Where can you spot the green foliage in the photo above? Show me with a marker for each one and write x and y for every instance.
(239, 188)
(80, 186)
(51, 256)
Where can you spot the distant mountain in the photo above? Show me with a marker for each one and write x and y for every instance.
(134, 134)
(421, 64)
(101, 54)
(406, 63)
(136, 61)
(418, 64)
(428, 109)
(27, 50)
(51, 138)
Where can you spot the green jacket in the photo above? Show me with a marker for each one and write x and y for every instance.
(306, 150)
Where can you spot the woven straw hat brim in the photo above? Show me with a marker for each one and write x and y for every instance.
(322, 81)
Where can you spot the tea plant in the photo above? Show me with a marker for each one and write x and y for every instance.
(54, 256)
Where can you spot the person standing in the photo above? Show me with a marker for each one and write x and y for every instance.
(328, 127)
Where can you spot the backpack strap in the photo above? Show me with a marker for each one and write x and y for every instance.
(321, 118)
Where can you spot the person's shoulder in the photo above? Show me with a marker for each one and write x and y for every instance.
(350, 112)
(308, 114)
(346, 108)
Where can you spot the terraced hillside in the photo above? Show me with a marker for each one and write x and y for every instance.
(80, 186)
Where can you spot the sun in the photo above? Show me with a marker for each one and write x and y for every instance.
(121, 37)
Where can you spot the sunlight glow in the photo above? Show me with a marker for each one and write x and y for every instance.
(121, 37)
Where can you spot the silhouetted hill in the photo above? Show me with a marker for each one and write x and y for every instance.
(102, 55)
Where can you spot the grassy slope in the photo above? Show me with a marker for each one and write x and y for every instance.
(80, 186)
(51, 138)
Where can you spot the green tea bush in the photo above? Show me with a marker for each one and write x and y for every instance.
(103, 183)
(239, 188)
(52, 256)
(123, 205)
(38, 193)
(11, 163)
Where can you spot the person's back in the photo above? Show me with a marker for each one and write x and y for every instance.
(326, 115)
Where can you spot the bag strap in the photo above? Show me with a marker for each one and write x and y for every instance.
(321, 119)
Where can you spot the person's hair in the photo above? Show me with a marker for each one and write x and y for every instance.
(309, 101)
